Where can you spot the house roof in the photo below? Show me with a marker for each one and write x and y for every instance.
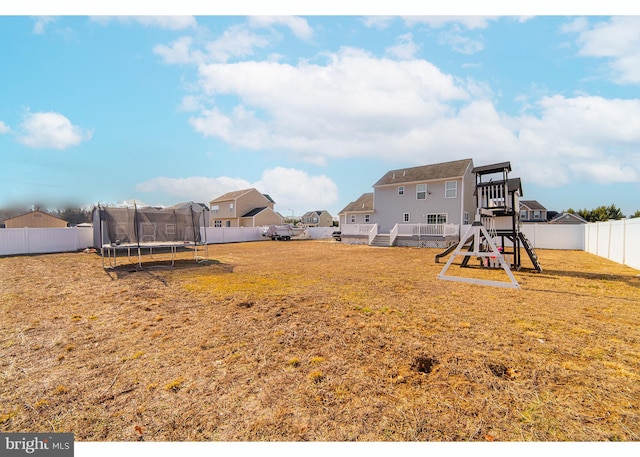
(30, 212)
(269, 198)
(566, 217)
(238, 193)
(309, 213)
(454, 169)
(362, 204)
(254, 212)
(532, 205)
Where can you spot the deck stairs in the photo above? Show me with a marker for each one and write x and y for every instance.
(531, 251)
(381, 240)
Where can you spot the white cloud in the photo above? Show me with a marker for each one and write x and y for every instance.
(40, 23)
(344, 108)
(405, 49)
(161, 22)
(378, 22)
(584, 138)
(179, 52)
(458, 42)
(197, 188)
(468, 22)
(290, 188)
(236, 41)
(52, 131)
(617, 39)
(298, 26)
(4, 128)
(295, 189)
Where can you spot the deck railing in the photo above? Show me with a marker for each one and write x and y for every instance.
(373, 232)
(420, 230)
(356, 229)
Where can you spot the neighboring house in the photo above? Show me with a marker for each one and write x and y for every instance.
(318, 218)
(567, 218)
(357, 212)
(532, 211)
(421, 204)
(35, 219)
(243, 208)
(441, 193)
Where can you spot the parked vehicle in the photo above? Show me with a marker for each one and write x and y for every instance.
(283, 232)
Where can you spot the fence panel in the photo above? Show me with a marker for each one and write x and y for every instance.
(615, 240)
(550, 236)
(217, 235)
(321, 233)
(44, 240)
(632, 243)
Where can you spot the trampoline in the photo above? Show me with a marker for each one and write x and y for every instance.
(141, 230)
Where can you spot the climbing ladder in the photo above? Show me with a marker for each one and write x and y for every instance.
(531, 251)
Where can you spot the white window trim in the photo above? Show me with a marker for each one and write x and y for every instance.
(217, 223)
(367, 218)
(418, 192)
(352, 218)
(440, 218)
(400, 191)
(406, 217)
(454, 189)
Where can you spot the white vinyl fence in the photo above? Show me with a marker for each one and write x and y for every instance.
(549, 236)
(615, 240)
(618, 241)
(217, 235)
(44, 240)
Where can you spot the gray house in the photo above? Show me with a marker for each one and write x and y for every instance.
(423, 205)
(532, 211)
(357, 212)
(567, 218)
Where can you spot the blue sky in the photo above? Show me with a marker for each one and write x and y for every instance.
(313, 109)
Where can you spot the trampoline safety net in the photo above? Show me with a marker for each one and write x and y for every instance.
(175, 224)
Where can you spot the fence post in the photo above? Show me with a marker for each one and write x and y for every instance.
(624, 241)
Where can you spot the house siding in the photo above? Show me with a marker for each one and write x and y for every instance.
(243, 202)
(35, 219)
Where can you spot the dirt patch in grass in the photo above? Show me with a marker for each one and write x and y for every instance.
(310, 340)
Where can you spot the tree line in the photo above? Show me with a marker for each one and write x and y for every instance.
(602, 213)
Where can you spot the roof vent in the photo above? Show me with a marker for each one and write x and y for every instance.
(404, 173)
(394, 176)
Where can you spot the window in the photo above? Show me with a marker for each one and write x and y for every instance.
(536, 214)
(400, 190)
(421, 191)
(217, 223)
(437, 218)
(170, 229)
(450, 189)
(352, 219)
(231, 207)
(227, 224)
(367, 218)
(406, 217)
(466, 218)
(524, 214)
(215, 209)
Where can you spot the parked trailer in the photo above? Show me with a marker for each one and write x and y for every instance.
(284, 232)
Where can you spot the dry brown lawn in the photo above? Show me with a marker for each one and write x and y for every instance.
(318, 341)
